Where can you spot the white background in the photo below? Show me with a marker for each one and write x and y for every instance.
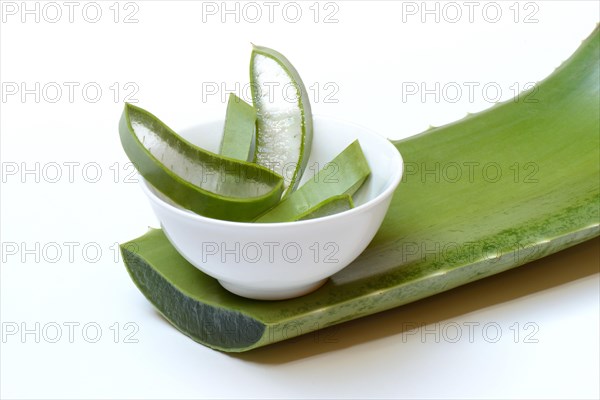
(169, 57)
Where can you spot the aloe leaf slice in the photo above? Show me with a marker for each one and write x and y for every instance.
(343, 175)
(477, 226)
(196, 179)
(284, 120)
(238, 133)
(330, 206)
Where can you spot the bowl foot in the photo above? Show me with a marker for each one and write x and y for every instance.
(283, 293)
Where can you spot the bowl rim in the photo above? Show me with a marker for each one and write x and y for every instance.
(392, 183)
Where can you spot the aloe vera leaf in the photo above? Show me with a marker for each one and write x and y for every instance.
(480, 227)
(196, 179)
(238, 132)
(343, 175)
(284, 126)
(330, 206)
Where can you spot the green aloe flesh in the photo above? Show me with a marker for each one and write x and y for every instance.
(284, 126)
(342, 175)
(479, 225)
(330, 206)
(196, 179)
(238, 132)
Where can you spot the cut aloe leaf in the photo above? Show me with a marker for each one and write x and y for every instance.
(330, 206)
(238, 133)
(438, 233)
(283, 116)
(194, 178)
(343, 175)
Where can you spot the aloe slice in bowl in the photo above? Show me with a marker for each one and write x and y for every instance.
(343, 175)
(283, 116)
(238, 132)
(196, 179)
(330, 206)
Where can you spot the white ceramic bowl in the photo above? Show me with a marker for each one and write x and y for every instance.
(282, 260)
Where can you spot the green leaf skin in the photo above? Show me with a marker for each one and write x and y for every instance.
(238, 132)
(267, 147)
(242, 190)
(480, 226)
(330, 206)
(342, 175)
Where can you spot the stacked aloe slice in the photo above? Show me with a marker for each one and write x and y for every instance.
(263, 155)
